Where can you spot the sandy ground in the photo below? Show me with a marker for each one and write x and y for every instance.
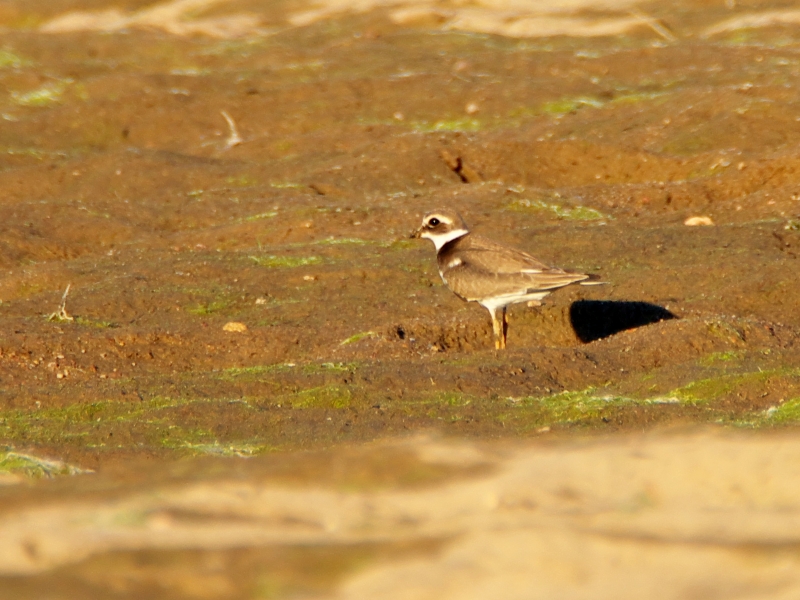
(226, 191)
(659, 516)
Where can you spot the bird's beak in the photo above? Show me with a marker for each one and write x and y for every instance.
(417, 234)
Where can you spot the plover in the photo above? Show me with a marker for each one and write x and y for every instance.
(479, 270)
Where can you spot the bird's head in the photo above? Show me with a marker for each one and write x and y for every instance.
(441, 226)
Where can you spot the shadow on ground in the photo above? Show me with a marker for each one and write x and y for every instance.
(597, 319)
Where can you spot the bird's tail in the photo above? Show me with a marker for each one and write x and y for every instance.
(593, 280)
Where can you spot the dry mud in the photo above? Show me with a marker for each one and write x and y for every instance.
(227, 188)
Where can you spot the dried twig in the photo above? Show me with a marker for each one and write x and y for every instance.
(654, 24)
(234, 139)
(61, 313)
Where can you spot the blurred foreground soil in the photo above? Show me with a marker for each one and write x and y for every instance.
(659, 516)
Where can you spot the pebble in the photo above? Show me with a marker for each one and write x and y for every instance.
(235, 327)
(695, 221)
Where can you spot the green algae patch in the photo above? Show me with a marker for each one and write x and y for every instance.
(401, 244)
(452, 125)
(241, 181)
(564, 408)
(11, 60)
(260, 216)
(157, 423)
(238, 450)
(637, 97)
(339, 367)
(453, 399)
(342, 241)
(96, 323)
(788, 412)
(285, 262)
(255, 371)
(715, 388)
(177, 437)
(36, 467)
(555, 108)
(326, 396)
(564, 106)
(727, 356)
(358, 337)
(571, 407)
(209, 308)
(568, 213)
(259, 371)
(705, 390)
(46, 95)
(34, 153)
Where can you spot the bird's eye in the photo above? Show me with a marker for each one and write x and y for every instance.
(433, 222)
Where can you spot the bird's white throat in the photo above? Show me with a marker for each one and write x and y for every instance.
(440, 239)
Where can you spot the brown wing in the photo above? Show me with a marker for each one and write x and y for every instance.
(472, 283)
(483, 253)
(475, 285)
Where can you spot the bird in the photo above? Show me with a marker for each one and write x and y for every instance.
(477, 269)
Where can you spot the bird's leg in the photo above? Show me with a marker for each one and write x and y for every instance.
(505, 328)
(497, 329)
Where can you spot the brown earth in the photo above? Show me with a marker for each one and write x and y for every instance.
(121, 177)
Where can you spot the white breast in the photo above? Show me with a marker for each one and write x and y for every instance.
(440, 239)
(450, 265)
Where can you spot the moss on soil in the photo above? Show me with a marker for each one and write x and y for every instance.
(285, 262)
